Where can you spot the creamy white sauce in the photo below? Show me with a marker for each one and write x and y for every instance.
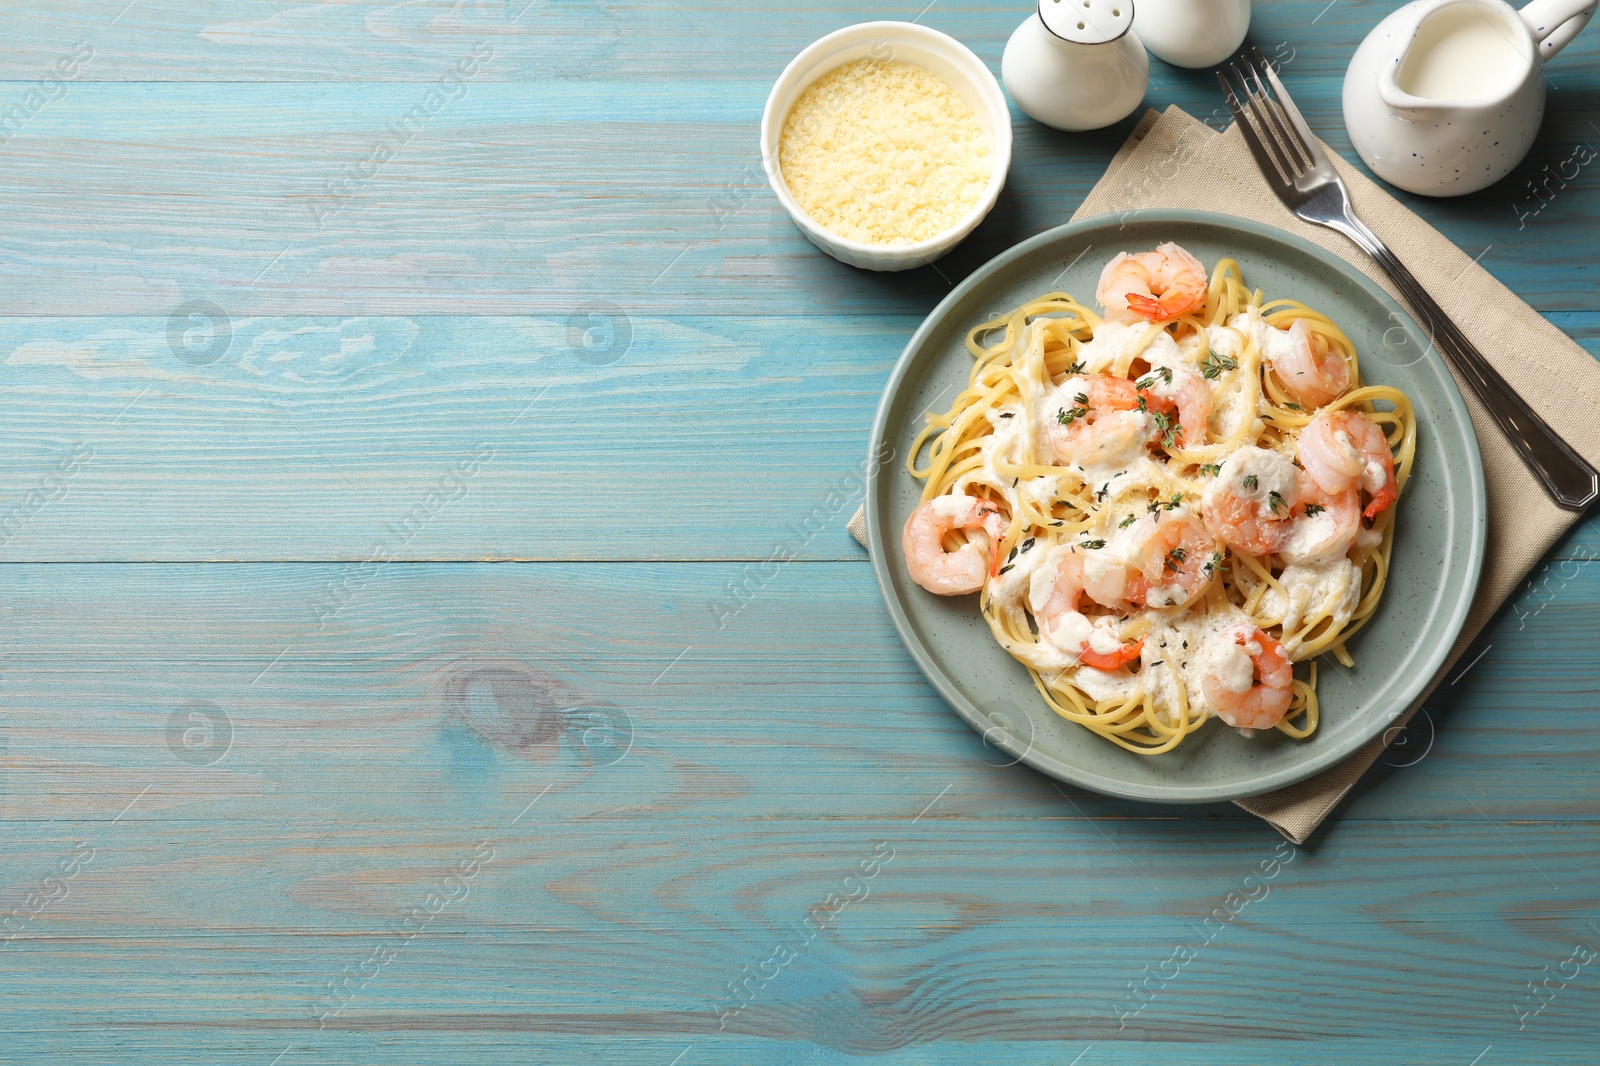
(1374, 475)
(1163, 351)
(1012, 441)
(1112, 340)
(952, 507)
(1042, 575)
(1182, 378)
(1029, 578)
(1107, 684)
(1273, 343)
(1231, 408)
(1167, 595)
(1226, 341)
(1175, 652)
(1231, 665)
(1103, 642)
(1039, 491)
(1331, 588)
(1069, 634)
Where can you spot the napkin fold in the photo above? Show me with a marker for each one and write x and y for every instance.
(1173, 160)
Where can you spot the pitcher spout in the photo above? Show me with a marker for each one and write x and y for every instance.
(1460, 56)
(1444, 97)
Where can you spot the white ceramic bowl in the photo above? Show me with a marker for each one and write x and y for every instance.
(906, 41)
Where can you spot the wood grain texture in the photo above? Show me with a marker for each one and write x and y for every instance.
(443, 437)
(598, 436)
(573, 166)
(389, 672)
(351, 692)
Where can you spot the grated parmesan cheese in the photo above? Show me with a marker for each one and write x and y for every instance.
(884, 153)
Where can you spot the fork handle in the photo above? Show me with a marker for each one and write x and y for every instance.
(1566, 475)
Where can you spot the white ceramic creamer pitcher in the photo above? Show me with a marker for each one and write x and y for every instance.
(1445, 97)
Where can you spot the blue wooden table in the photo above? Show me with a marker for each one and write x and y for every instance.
(403, 405)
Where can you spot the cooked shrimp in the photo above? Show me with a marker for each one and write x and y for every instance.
(1250, 504)
(1054, 598)
(1248, 680)
(951, 573)
(1307, 366)
(1325, 525)
(1097, 421)
(1174, 563)
(1156, 286)
(1179, 388)
(1345, 449)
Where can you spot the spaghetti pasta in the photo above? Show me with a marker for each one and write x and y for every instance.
(1170, 509)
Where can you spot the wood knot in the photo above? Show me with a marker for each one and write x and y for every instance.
(508, 703)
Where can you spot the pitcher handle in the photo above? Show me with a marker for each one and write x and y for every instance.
(1556, 22)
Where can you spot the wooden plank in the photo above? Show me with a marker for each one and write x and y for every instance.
(347, 691)
(260, 40)
(966, 933)
(437, 437)
(599, 436)
(514, 197)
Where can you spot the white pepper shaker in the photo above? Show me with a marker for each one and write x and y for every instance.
(1192, 33)
(1077, 64)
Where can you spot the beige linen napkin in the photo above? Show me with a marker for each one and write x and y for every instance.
(1173, 160)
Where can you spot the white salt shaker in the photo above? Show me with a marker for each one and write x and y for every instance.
(1191, 33)
(1077, 64)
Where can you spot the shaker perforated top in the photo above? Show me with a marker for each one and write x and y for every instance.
(1086, 21)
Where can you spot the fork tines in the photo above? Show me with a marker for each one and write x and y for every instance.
(1274, 125)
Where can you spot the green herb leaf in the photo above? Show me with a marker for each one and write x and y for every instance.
(1277, 503)
(1314, 508)
(1168, 428)
(1210, 469)
(1251, 482)
(1163, 372)
(1215, 364)
(1093, 545)
(1126, 522)
(1075, 368)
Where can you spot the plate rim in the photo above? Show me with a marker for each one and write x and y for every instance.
(1175, 794)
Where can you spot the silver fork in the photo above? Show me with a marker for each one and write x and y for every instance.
(1298, 171)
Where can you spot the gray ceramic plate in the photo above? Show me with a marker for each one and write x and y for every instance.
(1439, 539)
